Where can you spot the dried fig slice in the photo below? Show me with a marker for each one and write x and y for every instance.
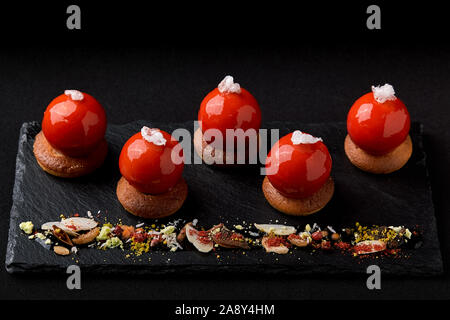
(279, 248)
(61, 235)
(226, 238)
(87, 237)
(369, 246)
(62, 251)
(200, 239)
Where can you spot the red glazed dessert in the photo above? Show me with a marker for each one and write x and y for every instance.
(378, 126)
(298, 178)
(72, 141)
(227, 107)
(151, 164)
(74, 123)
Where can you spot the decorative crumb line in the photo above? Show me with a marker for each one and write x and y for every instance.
(69, 235)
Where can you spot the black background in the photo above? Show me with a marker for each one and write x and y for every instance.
(308, 62)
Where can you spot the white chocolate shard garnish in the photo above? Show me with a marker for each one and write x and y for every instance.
(383, 93)
(153, 136)
(74, 94)
(79, 224)
(228, 85)
(72, 225)
(299, 137)
(276, 229)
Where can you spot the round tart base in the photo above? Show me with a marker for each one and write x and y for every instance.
(209, 154)
(384, 164)
(61, 165)
(150, 206)
(298, 207)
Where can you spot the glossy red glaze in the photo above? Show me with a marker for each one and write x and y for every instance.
(151, 168)
(378, 128)
(74, 127)
(228, 110)
(298, 171)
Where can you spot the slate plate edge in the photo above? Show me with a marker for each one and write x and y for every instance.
(18, 268)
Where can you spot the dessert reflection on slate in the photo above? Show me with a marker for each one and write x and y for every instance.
(298, 180)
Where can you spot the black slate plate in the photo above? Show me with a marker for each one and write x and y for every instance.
(231, 196)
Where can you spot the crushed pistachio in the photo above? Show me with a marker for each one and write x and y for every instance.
(40, 236)
(139, 247)
(113, 242)
(26, 227)
(168, 230)
(104, 232)
(408, 234)
(378, 233)
(396, 229)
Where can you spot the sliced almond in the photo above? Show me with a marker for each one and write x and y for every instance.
(276, 229)
(87, 237)
(62, 251)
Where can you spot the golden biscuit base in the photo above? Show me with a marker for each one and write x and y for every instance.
(384, 164)
(298, 207)
(151, 206)
(58, 164)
